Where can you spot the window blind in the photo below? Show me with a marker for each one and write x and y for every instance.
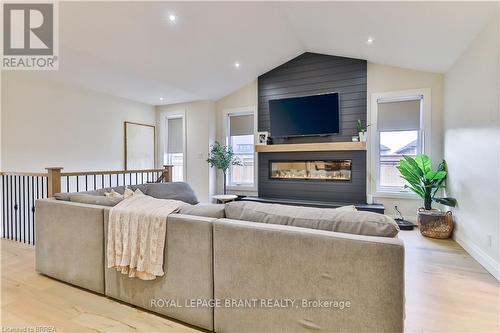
(240, 125)
(399, 115)
(175, 136)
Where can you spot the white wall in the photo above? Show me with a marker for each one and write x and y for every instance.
(200, 134)
(382, 79)
(472, 146)
(46, 124)
(243, 97)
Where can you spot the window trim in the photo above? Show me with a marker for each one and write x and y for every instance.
(374, 137)
(174, 115)
(226, 113)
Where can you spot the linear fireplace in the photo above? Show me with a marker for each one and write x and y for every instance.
(323, 170)
(329, 176)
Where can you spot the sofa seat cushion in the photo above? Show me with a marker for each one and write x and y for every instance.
(344, 219)
(207, 210)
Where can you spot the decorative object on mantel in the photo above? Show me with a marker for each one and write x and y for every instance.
(426, 182)
(222, 157)
(355, 138)
(361, 130)
(262, 138)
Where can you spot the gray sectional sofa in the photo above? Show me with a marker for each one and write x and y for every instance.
(343, 269)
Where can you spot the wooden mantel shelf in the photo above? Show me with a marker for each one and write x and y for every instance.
(323, 146)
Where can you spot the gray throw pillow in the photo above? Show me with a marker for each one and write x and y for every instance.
(206, 210)
(176, 191)
(343, 219)
(95, 199)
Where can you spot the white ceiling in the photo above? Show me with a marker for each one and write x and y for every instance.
(132, 50)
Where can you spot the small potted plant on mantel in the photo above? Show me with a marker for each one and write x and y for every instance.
(361, 131)
(426, 183)
(222, 157)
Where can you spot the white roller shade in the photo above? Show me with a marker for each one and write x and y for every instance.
(175, 134)
(241, 125)
(399, 116)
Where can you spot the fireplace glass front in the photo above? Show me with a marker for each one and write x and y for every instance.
(339, 170)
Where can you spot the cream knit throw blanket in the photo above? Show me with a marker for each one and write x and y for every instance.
(136, 235)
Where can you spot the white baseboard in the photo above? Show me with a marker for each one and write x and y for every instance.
(481, 257)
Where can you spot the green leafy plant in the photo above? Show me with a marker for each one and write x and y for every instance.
(423, 180)
(222, 157)
(360, 127)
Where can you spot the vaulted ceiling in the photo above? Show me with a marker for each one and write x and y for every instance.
(133, 50)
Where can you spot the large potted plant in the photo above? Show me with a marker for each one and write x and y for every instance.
(426, 183)
(222, 157)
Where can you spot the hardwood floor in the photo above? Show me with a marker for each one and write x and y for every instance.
(446, 291)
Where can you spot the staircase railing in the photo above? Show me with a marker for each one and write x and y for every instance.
(20, 190)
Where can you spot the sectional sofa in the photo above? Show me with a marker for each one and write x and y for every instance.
(239, 267)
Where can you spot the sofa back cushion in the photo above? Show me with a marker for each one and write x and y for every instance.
(176, 191)
(344, 219)
(207, 210)
(95, 199)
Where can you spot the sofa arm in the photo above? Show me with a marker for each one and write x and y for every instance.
(275, 262)
(70, 242)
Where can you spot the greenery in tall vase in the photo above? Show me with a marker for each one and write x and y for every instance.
(424, 181)
(222, 157)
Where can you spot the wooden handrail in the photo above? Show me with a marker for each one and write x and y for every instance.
(54, 175)
(108, 172)
(27, 174)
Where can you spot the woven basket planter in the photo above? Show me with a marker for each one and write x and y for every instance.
(435, 223)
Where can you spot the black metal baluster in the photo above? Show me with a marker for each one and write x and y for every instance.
(124, 180)
(10, 208)
(4, 207)
(30, 203)
(37, 197)
(24, 209)
(86, 183)
(95, 184)
(77, 184)
(15, 208)
(33, 202)
(67, 184)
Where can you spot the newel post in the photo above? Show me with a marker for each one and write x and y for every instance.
(54, 181)
(167, 173)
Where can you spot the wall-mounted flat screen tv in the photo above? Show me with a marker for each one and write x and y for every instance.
(305, 116)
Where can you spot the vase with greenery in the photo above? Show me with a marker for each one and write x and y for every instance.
(222, 157)
(426, 183)
(361, 130)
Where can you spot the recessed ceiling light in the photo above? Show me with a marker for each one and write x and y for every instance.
(370, 40)
(237, 64)
(172, 18)
(161, 98)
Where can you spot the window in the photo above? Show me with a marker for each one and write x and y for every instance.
(174, 154)
(240, 129)
(399, 133)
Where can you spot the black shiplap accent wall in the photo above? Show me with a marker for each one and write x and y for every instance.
(311, 74)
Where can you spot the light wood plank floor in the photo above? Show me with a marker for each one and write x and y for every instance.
(446, 291)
